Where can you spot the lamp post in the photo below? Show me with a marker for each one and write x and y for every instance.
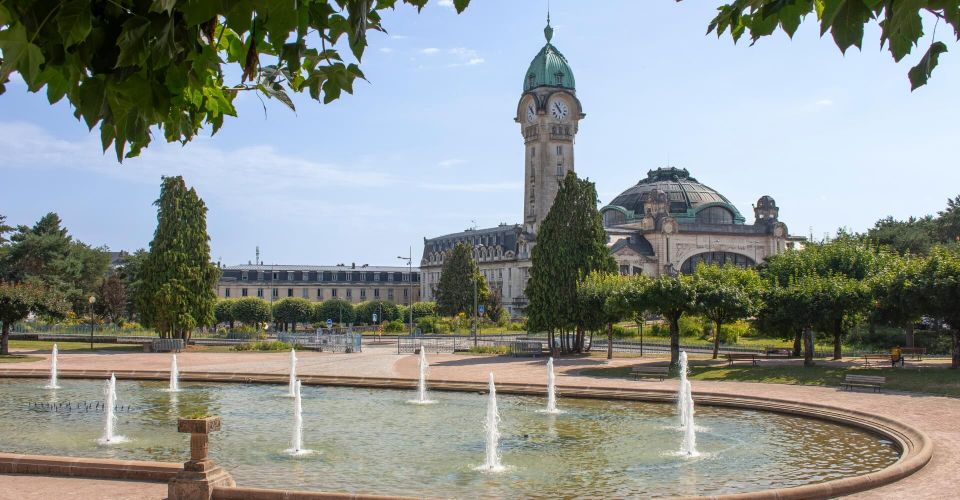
(409, 260)
(90, 301)
(754, 243)
(476, 277)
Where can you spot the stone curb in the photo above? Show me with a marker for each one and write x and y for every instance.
(95, 468)
(916, 447)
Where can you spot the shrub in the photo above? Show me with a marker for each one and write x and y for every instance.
(395, 326)
(334, 309)
(266, 346)
(424, 309)
(690, 326)
(251, 311)
(731, 333)
(497, 350)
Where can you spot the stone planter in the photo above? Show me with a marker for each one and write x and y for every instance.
(204, 425)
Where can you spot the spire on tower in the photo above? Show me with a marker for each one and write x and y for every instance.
(548, 31)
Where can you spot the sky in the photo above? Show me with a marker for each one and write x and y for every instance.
(428, 146)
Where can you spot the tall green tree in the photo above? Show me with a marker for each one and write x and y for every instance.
(726, 294)
(672, 297)
(941, 286)
(338, 310)
(4, 229)
(176, 292)
(948, 221)
(913, 235)
(900, 22)
(129, 272)
(251, 311)
(19, 300)
(458, 280)
(292, 310)
(134, 66)
(571, 243)
(899, 293)
(225, 312)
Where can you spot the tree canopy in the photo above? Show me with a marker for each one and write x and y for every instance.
(455, 290)
(251, 311)
(133, 65)
(176, 292)
(19, 300)
(725, 294)
(901, 24)
(339, 310)
(292, 310)
(571, 243)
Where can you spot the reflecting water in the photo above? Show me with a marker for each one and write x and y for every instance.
(371, 441)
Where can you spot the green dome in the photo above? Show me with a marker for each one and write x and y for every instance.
(549, 68)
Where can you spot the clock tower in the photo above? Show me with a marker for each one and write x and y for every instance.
(548, 113)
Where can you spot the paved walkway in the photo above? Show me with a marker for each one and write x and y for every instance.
(938, 417)
(27, 487)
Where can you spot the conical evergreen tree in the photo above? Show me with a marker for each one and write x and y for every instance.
(176, 292)
(570, 245)
(455, 290)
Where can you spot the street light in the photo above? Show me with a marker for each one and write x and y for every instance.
(410, 277)
(90, 301)
(754, 243)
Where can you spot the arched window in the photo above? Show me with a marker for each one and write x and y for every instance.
(715, 215)
(718, 258)
(613, 218)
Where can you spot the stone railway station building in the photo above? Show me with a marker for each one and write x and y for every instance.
(665, 224)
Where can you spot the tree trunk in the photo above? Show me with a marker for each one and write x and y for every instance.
(5, 339)
(807, 347)
(837, 339)
(674, 342)
(588, 349)
(909, 333)
(797, 343)
(610, 341)
(716, 341)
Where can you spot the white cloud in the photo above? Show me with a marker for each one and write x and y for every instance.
(247, 179)
(475, 60)
(446, 3)
(451, 162)
(824, 102)
(465, 57)
(386, 50)
(430, 51)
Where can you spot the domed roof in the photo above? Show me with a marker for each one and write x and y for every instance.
(684, 193)
(549, 68)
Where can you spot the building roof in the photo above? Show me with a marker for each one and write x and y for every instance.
(504, 235)
(684, 193)
(549, 68)
(636, 242)
(297, 267)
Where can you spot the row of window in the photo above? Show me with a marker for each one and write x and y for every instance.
(305, 293)
(354, 276)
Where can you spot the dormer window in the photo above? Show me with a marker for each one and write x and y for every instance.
(530, 79)
(559, 77)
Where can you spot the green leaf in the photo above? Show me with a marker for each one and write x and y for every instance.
(57, 85)
(920, 73)
(845, 20)
(163, 6)
(19, 55)
(902, 27)
(4, 16)
(73, 21)
(460, 5)
(133, 42)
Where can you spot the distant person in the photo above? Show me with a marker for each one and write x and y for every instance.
(896, 357)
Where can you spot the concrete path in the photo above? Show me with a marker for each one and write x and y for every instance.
(938, 417)
(27, 487)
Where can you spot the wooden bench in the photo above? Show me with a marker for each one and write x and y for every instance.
(166, 345)
(866, 381)
(644, 371)
(734, 357)
(876, 359)
(916, 352)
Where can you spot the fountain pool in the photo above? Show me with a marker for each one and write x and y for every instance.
(372, 441)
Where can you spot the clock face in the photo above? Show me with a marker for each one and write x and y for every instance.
(559, 110)
(531, 113)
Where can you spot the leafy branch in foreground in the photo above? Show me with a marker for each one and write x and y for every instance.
(129, 65)
(901, 24)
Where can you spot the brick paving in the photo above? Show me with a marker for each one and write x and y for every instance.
(938, 417)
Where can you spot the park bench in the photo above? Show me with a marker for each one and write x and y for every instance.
(876, 359)
(734, 357)
(644, 371)
(166, 345)
(866, 381)
(916, 352)
(527, 348)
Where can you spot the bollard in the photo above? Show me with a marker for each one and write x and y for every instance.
(200, 474)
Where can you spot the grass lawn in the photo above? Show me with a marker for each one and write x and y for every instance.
(938, 381)
(46, 345)
(18, 358)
